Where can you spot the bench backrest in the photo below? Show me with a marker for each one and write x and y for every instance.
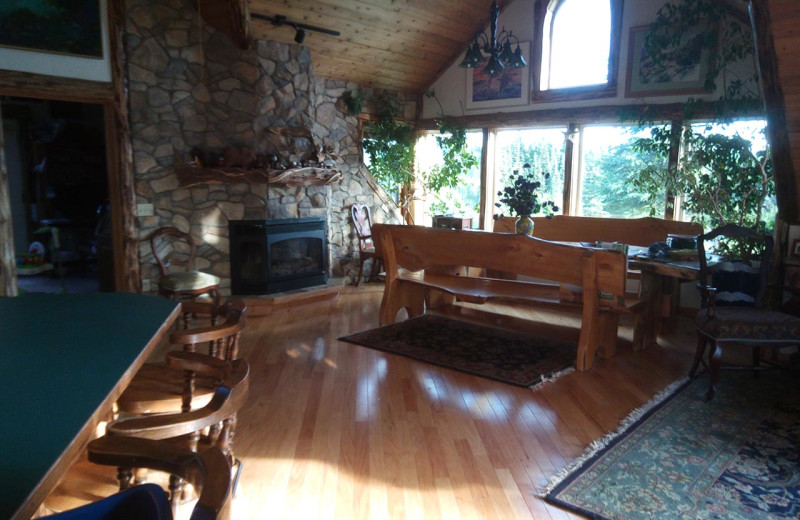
(416, 248)
(632, 231)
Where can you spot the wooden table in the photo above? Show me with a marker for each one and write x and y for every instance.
(65, 359)
(659, 289)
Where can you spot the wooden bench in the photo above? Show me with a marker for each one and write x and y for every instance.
(632, 231)
(640, 232)
(426, 268)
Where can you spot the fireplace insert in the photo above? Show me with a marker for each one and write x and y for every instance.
(269, 256)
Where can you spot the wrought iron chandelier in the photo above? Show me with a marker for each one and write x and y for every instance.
(498, 47)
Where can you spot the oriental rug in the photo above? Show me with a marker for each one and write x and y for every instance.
(736, 457)
(503, 355)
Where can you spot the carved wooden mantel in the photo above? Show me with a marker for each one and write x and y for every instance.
(301, 176)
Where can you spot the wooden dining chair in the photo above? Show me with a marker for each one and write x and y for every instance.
(189, 377)
(362, 222)
(212, 425)
(738, 316)
(157, 388)
(208, 471)
(172, 247)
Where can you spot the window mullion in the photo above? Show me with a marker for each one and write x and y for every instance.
(676, 129)
(570, 163)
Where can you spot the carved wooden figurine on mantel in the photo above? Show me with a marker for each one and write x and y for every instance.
(293, 161)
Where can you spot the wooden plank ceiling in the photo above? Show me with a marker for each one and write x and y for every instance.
(400, 45)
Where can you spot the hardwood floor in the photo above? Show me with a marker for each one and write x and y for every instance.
(335, 430)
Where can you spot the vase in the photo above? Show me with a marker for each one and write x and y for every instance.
(524, 225)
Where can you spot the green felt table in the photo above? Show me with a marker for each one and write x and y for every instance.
(64, 360)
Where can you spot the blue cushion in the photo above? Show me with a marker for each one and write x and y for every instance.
(145, 502)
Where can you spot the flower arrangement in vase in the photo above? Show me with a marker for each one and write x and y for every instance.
(522, 199)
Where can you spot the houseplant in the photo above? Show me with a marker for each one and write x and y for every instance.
(720, 178)
(390, 144)
(521, 198)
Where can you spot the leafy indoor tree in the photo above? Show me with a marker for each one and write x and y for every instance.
(721, 179)
(684, 29)
(390, 145)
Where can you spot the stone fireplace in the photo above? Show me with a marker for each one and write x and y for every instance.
(196, 91)
(269, 256)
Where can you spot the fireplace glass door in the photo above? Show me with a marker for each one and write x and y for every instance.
(277, 255)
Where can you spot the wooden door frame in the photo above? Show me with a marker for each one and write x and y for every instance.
(113, 97)
(120, 180)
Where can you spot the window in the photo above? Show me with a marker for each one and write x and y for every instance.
(542, 148)
(608, 161)
(577, 50)
(614, 173)
(463, 200)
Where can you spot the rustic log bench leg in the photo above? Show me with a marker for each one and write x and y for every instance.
(435, 298)
(598, 338)
(638, 331)
(649, 322)
(398, 295)
(609, 322)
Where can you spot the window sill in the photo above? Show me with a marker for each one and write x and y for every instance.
(574, 93)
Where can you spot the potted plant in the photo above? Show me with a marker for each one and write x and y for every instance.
(522, 199)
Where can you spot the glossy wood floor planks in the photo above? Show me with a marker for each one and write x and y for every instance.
(335, 430)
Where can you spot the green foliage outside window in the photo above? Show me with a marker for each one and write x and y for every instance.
(607, 183)
(538, 149)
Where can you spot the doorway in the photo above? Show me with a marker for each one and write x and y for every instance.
(59, 190)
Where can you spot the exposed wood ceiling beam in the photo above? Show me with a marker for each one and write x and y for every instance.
(231, 17)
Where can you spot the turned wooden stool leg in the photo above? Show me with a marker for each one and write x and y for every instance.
(698, 354)
(125, 478)
(715, 362)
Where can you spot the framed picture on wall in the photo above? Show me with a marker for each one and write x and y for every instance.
(643, 78)
(795, 251)
(793, 244)
(510, 87)
(59, 27)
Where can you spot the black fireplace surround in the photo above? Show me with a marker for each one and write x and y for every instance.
(269, 256)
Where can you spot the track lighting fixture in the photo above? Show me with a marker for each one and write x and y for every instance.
(300, 28)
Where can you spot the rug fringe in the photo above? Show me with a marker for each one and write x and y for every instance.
(549, 378)
(604, 441)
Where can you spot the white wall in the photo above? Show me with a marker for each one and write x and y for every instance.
(450, 88)
(94, 69)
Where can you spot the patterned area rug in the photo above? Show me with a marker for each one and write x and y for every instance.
(503, 355)
(737, 457)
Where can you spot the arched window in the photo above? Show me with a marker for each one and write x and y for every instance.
(579, 43)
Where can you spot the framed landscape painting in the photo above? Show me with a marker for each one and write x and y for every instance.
(59, 26)
(508, 88)
(644, 79)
